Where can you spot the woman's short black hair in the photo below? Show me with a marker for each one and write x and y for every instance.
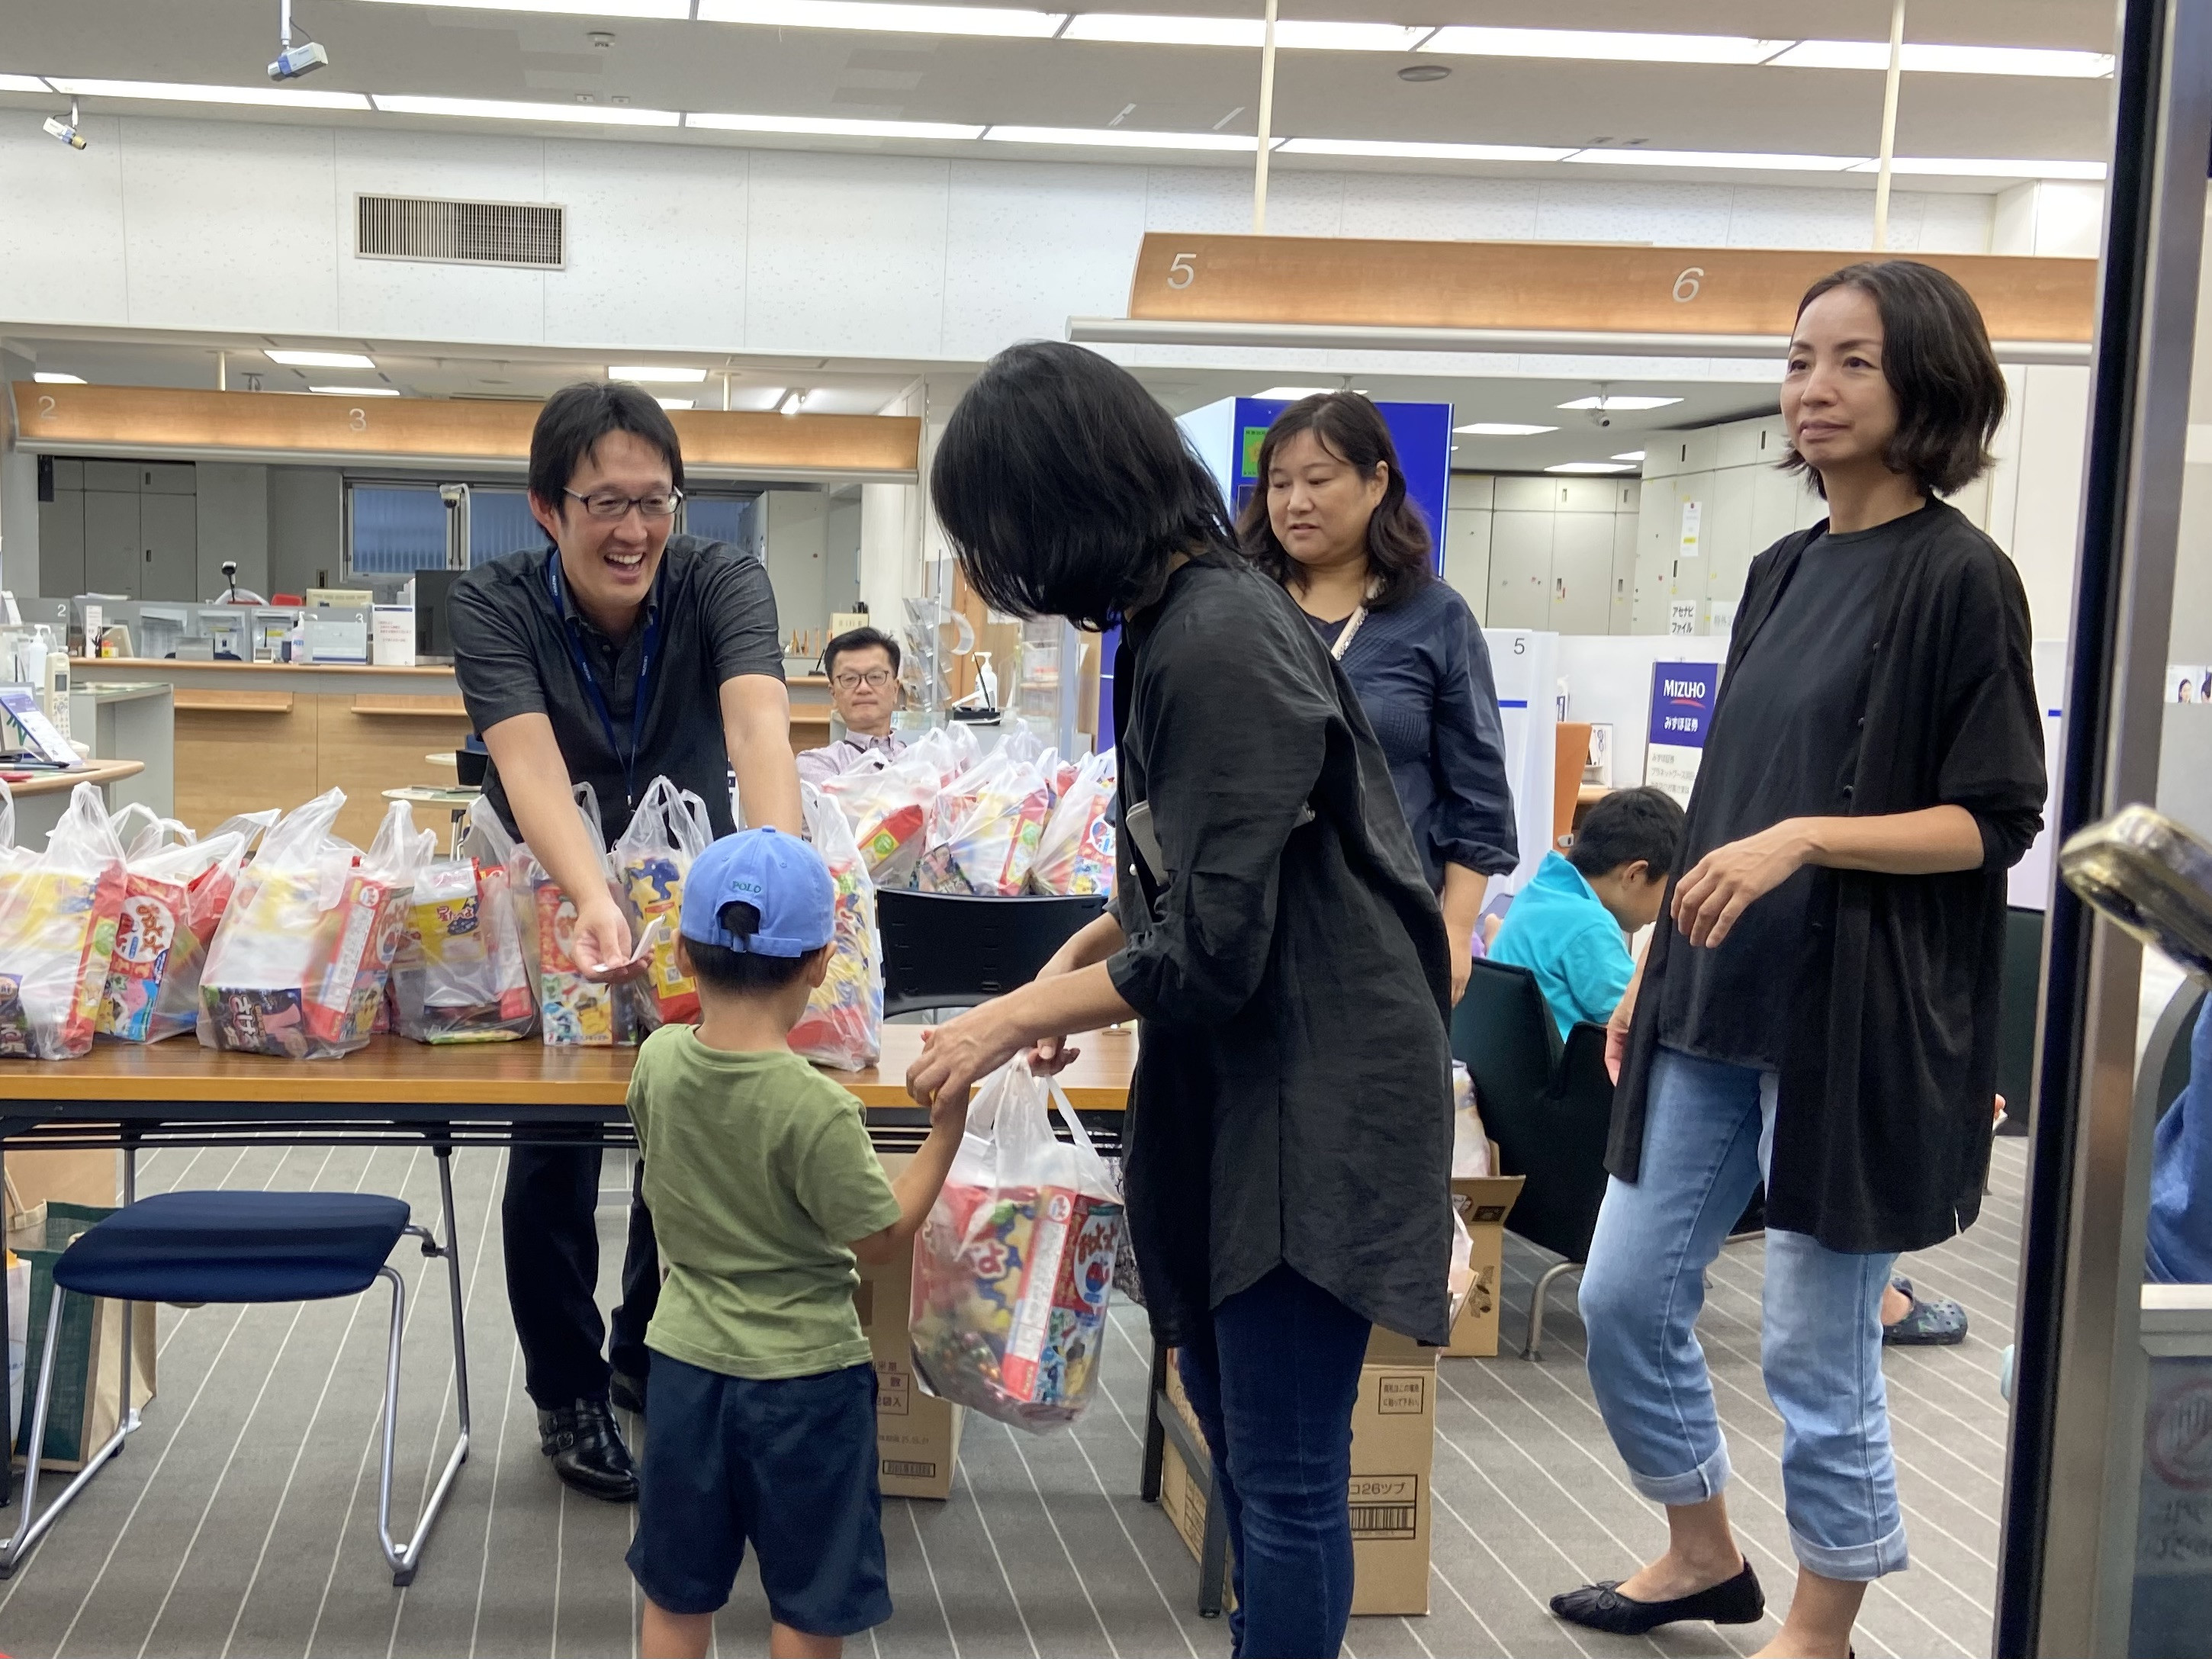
(1399, 549)
(1936, 356)
(577, 416)
(858, 639)
(742, 972)
(1065, 489)
(1626, 825)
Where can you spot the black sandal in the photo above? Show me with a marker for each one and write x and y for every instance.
(1738, 1600)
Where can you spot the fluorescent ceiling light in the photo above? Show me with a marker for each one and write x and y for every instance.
(1145, 28)
(1427, 152)
(49, 378)
(319, 359)
(1504, 429)
(1122, 138)
(1587, 466)
(23, 83)
(1925, 58)
(673, 403)
(1469, 40)
(870, 16)
(178, 92)
(1291, 394)
(609, 115)
(1631, 455)
(835, 126)
(1718, 158)
(1617, 401)
(356, 390)
(652, 372)
(675, 11)
(790, 400)
(1979, 167)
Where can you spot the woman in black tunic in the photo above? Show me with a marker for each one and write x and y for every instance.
(1332, 523)
(1819, 1001)
(1288, 1168)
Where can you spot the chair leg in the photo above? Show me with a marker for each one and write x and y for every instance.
(404, 1559)
(1533, 1348)
(32, 1525)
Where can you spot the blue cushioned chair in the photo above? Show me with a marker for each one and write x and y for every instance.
(233, 1247)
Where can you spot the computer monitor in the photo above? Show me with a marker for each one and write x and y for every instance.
(433, 634)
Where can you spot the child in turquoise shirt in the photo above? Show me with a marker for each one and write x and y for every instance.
(1570, 925)
(763, 1189)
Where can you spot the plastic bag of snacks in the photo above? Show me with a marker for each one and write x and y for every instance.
(1013, 1267)
(58, 912)
(173, 899)
(460, 975)
(843, 1023)
(297, 965)
(993, 843)
(1075, 854)
(574, 1011)
(669, 830)
(887, 807)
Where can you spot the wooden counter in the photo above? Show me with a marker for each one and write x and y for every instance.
(251, 736)
(98, 773)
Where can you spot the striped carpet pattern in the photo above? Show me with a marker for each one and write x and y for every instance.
(241, 1520)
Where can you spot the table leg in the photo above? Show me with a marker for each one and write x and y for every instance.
(1156, 1439)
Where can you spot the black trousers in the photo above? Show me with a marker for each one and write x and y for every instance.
(552, 1244)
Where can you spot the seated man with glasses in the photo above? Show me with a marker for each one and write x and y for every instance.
(617, 654)
(863, 666)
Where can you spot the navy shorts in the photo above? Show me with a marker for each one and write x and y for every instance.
(789, 1463)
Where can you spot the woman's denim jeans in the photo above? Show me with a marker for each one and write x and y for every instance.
(1273, 1387)
(1707, 1134)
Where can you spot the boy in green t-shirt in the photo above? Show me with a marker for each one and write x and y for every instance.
(762, 1189)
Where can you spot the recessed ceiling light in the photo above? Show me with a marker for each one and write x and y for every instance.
(790, 401)
(1750, 160)
(1423, 151)
(493, 109)
(1617, 401)
(23, 83)
(1982, 168)
(1630, 455)
(50, 378)
(671, 10)
(1420, 73)
(319, 359)
(866, 15)
(1122, 138)
(356, 390)
(1502, 429)
(658, 373)
(1480, 42)
(673, 403)
(185, 93)
(837, 126)
(1291, 394)
(1589, 466)
(1927, 57)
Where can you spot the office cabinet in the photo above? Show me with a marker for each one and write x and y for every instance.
(1467, 556)
(1781, 502)
(112, 552)
(169, 534)
(167, 478)
(61, 543)
(1622, 612)
(1726, 537)
(1582, 573)
(1520, 567)
(133, 530)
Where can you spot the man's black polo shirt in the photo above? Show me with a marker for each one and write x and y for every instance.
(717, 621)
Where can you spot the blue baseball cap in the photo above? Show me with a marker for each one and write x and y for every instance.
(779, 876)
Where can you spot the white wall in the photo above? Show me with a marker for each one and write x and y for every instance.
(211, 225)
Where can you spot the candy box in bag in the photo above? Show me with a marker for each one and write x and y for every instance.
(173, 900)
(1075, 854)
(843, 1025)
(456, 979)
(57, 937)
(666, 833)
(576, 1010)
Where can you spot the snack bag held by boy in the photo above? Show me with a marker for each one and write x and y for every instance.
(763, 1189)
(669, 830)
(844, 1020)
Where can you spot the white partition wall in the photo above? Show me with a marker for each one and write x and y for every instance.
(1524, 663)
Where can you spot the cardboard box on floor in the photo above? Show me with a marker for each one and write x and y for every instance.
(1483, 1204)
(1393, 1425)
(917, 1435)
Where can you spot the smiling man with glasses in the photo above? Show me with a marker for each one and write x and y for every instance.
(617, 654)
(863, 666)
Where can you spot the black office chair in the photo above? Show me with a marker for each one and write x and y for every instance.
(1548, 1104)
(951, 950)
(2017, 1000)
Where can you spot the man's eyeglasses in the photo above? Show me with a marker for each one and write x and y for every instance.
(611, 506)
(853, 679)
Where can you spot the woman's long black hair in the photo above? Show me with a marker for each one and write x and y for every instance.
(1399, 549)
(1065, 489)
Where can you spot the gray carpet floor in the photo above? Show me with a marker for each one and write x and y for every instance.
(241, 1519)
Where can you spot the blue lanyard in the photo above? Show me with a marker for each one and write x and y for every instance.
(569, 628)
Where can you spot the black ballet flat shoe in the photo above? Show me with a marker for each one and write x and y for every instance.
(1603, 1607)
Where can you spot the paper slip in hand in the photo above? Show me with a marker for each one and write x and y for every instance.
(639, 952)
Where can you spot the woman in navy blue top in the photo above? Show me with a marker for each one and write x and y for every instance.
(1334, 527)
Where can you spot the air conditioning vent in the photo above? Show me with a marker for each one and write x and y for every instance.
(521, 233)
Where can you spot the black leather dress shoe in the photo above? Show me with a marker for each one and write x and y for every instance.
(1603, 1607)
(626, 1393)
(587, 1450)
